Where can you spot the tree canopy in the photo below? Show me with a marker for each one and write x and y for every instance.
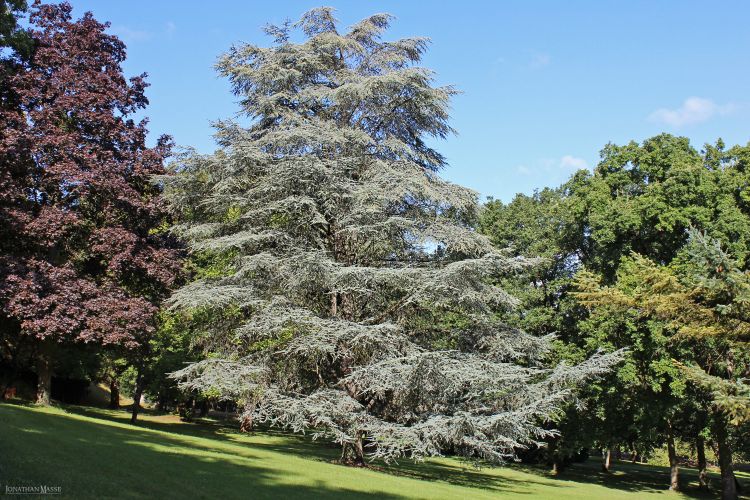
(358, 301)
(80, 257)
(643, 200)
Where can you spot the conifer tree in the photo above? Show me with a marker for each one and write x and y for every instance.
(357, 301)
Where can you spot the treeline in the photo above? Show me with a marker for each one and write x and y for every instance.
(316, 273)
(648, 252)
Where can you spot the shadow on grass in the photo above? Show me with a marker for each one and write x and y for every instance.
(227, 431)
(640, 478)
(305, 447)
(101, 439)
(202, 460)
(465, 474)
(91, 460)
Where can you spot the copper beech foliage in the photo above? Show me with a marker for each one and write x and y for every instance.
(80, 258)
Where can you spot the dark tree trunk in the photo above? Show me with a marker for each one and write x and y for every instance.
(246, 420)
(729, 489)
(359, 450)
(354, 453)
(203, 409)
(246, 424)
(44, 373)
(161, 403)
(674, 467)
(138, 394)
(114, 393)
(700, 448)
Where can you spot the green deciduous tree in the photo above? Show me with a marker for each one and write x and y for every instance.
(701, 311)
(643, 198)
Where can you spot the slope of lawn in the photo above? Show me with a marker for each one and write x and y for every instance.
(93, 453)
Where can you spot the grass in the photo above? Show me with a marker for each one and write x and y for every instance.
(94, 453)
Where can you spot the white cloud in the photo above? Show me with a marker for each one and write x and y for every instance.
(569, 161)
(170, 28)
(539, 60)
(129, 35)
(693, 110)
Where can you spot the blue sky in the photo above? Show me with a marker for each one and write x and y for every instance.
(545, 84)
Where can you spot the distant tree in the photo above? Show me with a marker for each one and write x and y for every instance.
(703, 312)
(643, 198)
(15, 45)
(113, 364)
(171, 347)
(357, 305)
(81, 255)
(649, 388)
(541, 225)
(12, 36)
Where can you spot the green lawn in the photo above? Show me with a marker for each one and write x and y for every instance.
(93, 453)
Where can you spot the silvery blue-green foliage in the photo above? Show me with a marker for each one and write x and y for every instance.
(349, 254)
